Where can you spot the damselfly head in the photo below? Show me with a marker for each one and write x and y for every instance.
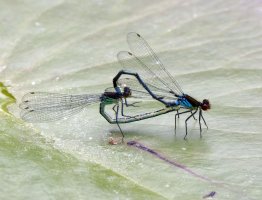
(127, 92)
(205, 105)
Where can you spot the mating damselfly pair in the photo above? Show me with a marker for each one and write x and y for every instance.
(142, 90)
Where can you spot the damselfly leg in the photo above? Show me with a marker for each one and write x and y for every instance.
(188, 119)
(201, 115)
(178, 116)
(199, 120)
(193, 115)
(116, 110)
(124, 103)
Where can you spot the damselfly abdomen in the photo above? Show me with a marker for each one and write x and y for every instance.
(142, 90)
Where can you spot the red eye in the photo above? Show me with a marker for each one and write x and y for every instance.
(204, 107)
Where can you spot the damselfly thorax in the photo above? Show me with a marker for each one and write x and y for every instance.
(142, 90)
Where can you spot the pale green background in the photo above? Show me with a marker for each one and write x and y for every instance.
(213, 48)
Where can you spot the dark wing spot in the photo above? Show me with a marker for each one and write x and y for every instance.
(26, 101)
(138, 35)
(31, 110)
(130, 53)
(32, 92)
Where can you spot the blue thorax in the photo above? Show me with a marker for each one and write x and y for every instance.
(182, 101)
(118, 90)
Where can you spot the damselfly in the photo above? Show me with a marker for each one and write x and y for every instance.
(150, 89)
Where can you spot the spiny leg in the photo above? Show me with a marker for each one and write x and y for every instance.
(131, 104)
(199, 120)
(122, 108)
(187, 120)
(193, 115)
(116, 112)
(204, 120)
(178, 116)
(175, 121)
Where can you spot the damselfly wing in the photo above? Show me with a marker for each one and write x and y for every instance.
(139, 105)
(146, 89)
(37, 107)
(159, 83)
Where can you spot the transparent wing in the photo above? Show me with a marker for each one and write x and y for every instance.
(140, 105)
(158, 86)
(46, 107)
(150, 64)
(144, 102)
(139, 92)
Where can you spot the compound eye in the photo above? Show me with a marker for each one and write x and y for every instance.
(204, 107)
